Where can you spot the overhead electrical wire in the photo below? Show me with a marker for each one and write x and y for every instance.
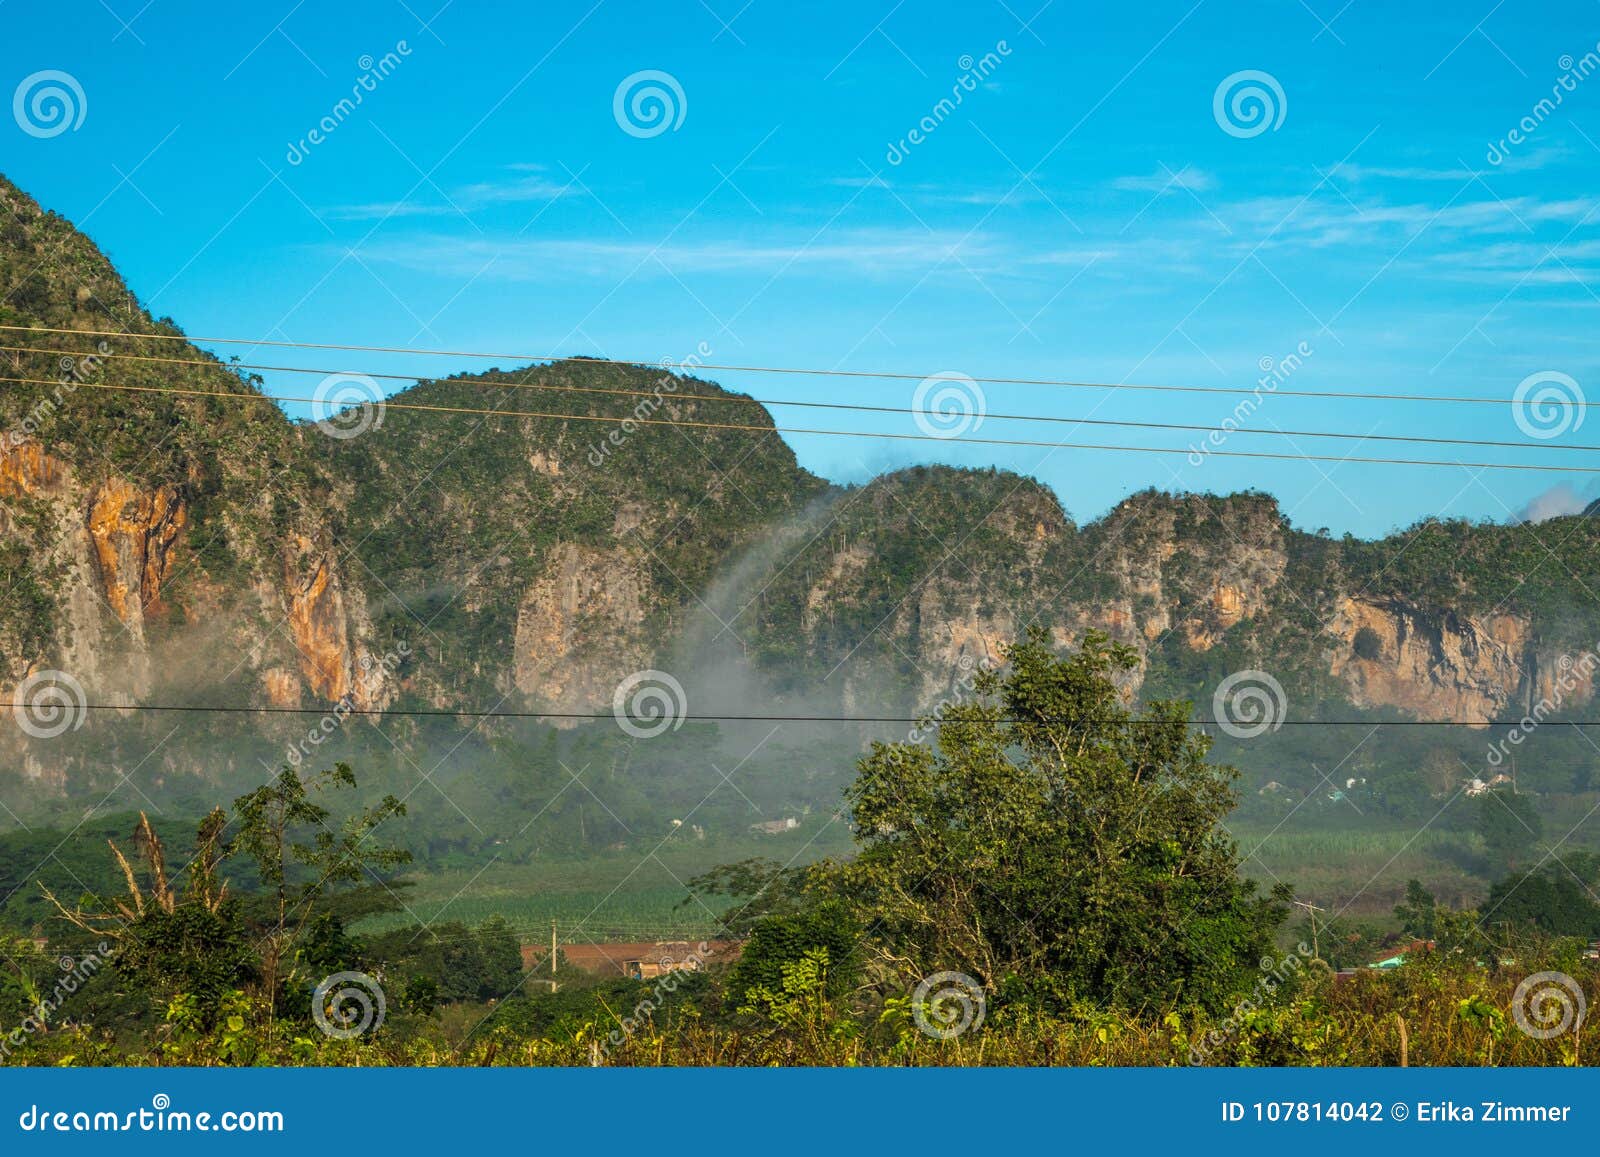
(616, 419)
(887, 375)
(706, 717)
(744, 399)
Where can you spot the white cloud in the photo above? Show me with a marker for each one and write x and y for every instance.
(466, 198)
(1188, 179)
(862, 251)
(1561, 499)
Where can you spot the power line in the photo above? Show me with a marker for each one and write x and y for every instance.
(741, 399)
(707, 717)
(668, 363)
(614, 420)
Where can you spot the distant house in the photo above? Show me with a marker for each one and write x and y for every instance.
(1397, 958)
(773, 827)
(639, 959)
(1479, 786)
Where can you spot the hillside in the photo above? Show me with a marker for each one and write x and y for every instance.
(168, 547)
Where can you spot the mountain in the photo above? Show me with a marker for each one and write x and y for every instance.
(169, 547)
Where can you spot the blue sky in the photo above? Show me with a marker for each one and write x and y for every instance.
(1082, 213)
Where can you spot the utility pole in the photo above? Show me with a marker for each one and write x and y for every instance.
(552, 947)
(1311, 914)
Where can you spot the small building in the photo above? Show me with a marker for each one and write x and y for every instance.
(775, 827)
(639, 959)
(1478, 786)
(1397, 958)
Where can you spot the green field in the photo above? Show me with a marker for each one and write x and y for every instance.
(640, 896)
(617, 896)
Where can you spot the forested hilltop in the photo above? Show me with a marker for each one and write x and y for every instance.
(457, 602)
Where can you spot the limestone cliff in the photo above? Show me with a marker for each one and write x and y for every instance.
(579, 628)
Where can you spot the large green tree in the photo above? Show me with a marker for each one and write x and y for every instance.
(1060, 842)
(1510, 826)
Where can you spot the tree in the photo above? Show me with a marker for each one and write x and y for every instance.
(1550, 901)
(271, 820)
(176, 938)
(1509, 825)
(759, 888)
(1059, 842)
(191, 938)
(778, 942)
(1417, 911)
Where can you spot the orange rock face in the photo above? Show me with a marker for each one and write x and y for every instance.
(317, 619)
(282, 687)
(26, 470)
(133, 533)
(1432, 665)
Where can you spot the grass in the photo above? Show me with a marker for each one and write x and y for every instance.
(1431, 1013)
(1364, 873)
(610, 896)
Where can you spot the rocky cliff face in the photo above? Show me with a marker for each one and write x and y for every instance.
(158, 543)
(1431, 663)
(1168, 575)
(580, 627)
(102, 553)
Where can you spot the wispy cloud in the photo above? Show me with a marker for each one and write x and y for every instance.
(1561, 499)
(466, 198)
(1187, 179)
(875, 251)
